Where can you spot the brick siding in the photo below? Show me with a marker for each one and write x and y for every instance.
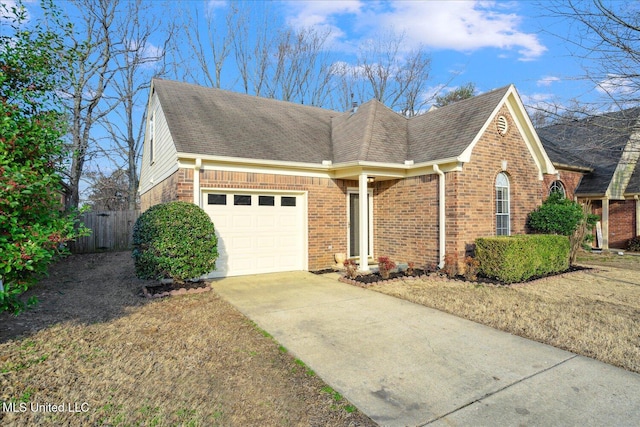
(471, 209)
(569, 179)
(406, 219)
(622, 222)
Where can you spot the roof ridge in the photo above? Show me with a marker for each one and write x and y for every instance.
(368, 132)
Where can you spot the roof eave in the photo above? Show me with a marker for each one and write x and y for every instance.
(572, 168)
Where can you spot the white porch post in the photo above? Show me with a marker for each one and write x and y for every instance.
(196, 182)
(637, 199)
(364, 222)
(605, 223)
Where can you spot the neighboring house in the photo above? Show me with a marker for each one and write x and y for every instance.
(597, 158)
(288, 186)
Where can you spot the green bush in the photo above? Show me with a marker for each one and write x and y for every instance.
(633, 245)
(557, 215)
(513, 259)
(33, 229)
(174, 240)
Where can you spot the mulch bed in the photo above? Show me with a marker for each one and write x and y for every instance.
(365, 280)
(169, 289)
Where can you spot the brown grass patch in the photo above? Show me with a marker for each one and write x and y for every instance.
(191, 360)
(595, 313)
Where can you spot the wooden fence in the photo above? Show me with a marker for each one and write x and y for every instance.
(110, 231)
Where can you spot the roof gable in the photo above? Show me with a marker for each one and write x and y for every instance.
(606, 143)
(448, 131)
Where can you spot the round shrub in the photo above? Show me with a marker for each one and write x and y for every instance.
(557, 215)
(174, 240)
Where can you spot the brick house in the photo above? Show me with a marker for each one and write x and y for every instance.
(288, 186)
(597, 161)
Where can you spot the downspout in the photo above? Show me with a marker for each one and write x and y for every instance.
(196, 182)
(442, 235)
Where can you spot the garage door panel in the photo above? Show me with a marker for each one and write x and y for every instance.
(268, 220)
(242, 220)
(258, 239)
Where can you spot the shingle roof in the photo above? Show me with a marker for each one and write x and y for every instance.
(373, 133)
(596, 142)
(217, 122)
(447, 131)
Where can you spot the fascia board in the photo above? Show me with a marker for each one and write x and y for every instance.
(338, 170)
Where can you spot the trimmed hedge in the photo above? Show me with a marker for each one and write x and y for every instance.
(174, 240)
(512, 259)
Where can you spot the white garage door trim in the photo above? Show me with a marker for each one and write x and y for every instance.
(264, 237)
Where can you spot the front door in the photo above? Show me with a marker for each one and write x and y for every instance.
(354, 224)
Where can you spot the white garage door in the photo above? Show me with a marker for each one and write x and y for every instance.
(257, 232)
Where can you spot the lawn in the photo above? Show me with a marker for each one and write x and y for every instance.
(110, 357)
(595, 313)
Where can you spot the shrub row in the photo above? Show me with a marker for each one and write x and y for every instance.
(512, 259)
(174, 240)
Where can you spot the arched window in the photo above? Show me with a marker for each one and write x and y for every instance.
(503, 217)
(557, 187)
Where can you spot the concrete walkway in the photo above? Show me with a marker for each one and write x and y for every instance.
(403, 364)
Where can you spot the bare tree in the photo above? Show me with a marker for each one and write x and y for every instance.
(109, 192)
(605, 37)
(301, 67)
(209, 50)
(272, 60)
(384, 72)
(136, 63)
(89, 55)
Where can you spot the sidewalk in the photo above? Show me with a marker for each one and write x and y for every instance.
(403, 364)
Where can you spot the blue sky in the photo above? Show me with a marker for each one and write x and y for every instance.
(490, 43)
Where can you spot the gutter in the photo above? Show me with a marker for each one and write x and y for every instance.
(441, 216)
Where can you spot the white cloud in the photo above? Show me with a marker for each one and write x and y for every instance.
(321, 15)
(457, 25)
(547, 81)
(215, 4)
(462, 25)
(617, 85)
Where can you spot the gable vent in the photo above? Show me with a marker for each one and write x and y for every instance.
(503, 125)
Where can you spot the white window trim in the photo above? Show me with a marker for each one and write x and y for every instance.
(558, 185)
(508, 213)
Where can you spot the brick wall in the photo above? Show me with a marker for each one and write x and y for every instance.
(178, 186)
(569, 179)
(471, 192)
(622, 222)
(406, 219)
(163, 192)
(327, 206)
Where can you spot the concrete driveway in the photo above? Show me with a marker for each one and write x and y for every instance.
(403, 364)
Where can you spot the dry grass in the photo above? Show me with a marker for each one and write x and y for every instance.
(595, 313)
(191, 360)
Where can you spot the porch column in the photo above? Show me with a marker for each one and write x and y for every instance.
(364, 222)
(196, 182)
(637, 199)
(605, 223)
